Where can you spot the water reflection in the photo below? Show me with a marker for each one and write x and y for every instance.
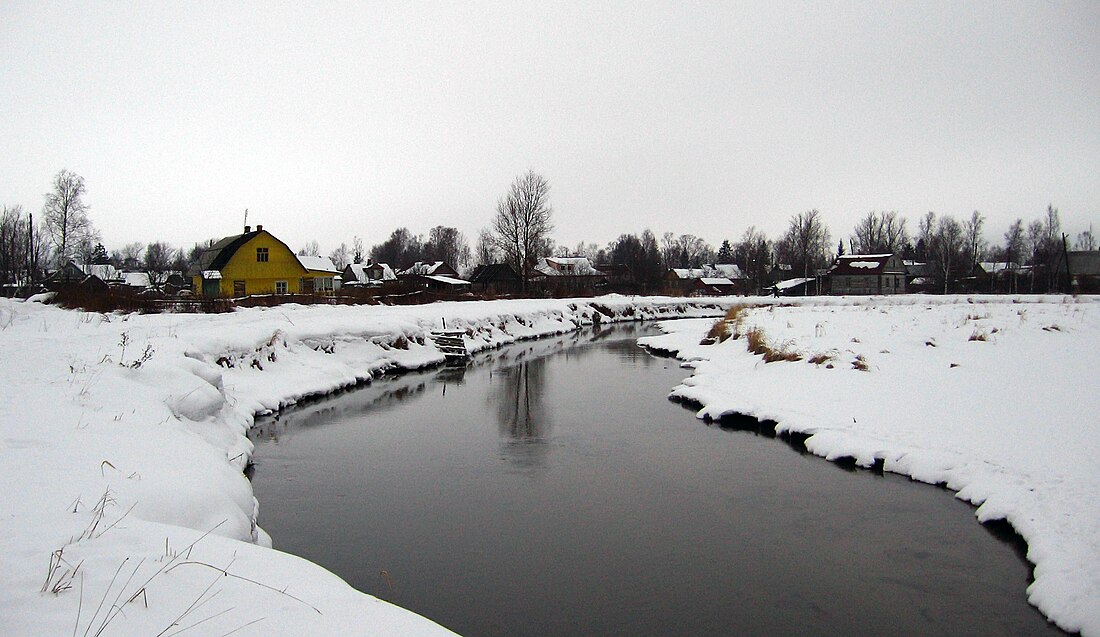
(517, 397)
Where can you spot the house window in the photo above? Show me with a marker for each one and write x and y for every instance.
(238, 288)
(261, 255)
(280, 287)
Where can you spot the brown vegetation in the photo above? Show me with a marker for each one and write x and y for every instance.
(758, 344)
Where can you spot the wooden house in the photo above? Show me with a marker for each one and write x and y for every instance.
(563, 276)
(495, 279)
(721, 278)
(367, 274)
(1084, 270)
(713, 286)
(254, 262)
(867, 274)
(423, 268)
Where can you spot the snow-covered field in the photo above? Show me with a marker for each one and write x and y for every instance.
(122, 443)
(998, 398)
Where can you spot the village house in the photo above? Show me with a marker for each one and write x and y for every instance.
(867, 274)
(558, 276)
(708, 280)
(436, 276)
(495, 279)
(68, 273)
(1084, 270)
(779, 272)
(254, 262)
(423, 268)
(713, 286)
(367, 274)
(994, 276)
(322, 275)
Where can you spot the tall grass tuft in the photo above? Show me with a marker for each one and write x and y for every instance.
(726, 327)
(758, 344)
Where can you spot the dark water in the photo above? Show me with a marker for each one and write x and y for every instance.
(552, 489)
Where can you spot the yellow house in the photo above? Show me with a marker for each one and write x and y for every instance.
(251, 263)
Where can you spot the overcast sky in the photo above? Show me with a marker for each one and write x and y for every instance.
(701, 118)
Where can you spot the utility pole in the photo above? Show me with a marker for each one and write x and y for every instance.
(30, 247)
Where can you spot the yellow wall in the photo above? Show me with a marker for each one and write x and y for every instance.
(259, 276)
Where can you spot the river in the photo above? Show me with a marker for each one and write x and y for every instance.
(552, 489)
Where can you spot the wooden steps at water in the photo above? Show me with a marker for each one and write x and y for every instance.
(451, 344)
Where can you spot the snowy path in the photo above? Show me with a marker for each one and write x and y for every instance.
(996, 398)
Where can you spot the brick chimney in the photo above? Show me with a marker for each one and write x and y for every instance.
(259, 228)
(247, 229)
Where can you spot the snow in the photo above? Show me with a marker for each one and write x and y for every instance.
(448, 280)
(868, 265)
(790, 283)
(320, 264)
(122, 446)
(993, 397)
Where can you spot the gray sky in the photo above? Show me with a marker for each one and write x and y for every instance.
(699, 118)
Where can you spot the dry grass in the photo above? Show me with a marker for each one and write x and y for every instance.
(861, 363)
(726, 327)
(718, 332)
(758, 344)
(822, 358)
(978, 335)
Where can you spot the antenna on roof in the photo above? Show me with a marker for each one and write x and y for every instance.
(245, 217)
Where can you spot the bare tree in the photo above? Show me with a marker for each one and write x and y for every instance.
(449, 245)
(806, 242)
(1014, 243)
(129, 257)
(926, 233)
(1086, 240)
(85, 252)
(948, 245)
(975, 243)
(310, 249)
(523, 222)
(753, 254)
(356, 250)
(880, 233)
(66, 214)
(157, 262)
(670, 250)
(341, 256)
(400, 250)
(486, 251)
(14, 243)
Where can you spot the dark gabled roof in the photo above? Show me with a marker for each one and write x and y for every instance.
(216, 256)
(493, 272)
(861, 264)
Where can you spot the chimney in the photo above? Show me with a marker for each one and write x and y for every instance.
(259, 228)
(247, 229)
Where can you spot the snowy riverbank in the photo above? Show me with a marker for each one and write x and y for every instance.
(122, 445)
(996, 398)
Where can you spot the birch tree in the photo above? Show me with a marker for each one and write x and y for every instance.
(66, 215)
(523, 222)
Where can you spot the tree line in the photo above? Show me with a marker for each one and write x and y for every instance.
(519, 233)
